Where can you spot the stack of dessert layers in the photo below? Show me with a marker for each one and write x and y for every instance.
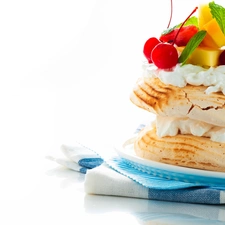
(189, 104)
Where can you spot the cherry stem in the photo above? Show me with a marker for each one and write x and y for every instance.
(171, 13)
(183, 24)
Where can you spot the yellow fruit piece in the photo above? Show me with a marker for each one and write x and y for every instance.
(204, 56)
(204, 15)
(208, 42)
(213, 29)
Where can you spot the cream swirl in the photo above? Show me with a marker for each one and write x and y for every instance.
(171, 126)
(180, 76)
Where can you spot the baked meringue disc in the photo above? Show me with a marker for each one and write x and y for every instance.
(181, 150)
(190, 101)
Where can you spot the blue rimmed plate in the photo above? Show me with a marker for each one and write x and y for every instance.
(202, 177)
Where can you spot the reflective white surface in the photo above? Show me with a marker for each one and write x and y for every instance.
(66, 71)
(60, 198)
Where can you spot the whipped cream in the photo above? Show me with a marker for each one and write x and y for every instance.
(180, 76)
(171, 126)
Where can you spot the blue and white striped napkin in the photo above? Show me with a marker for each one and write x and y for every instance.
(113, 176)
(78, 158)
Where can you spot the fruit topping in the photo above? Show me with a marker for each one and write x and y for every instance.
(214, 31)
(222, 58)
(203, 56)
(164, 56)
(199, 41)
(149, 45)
(191, 46)
(204, 15)
(186, 33)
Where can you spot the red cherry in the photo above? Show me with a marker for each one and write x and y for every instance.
(222, 58)
(164, 56)
(148, 46)
(185, 34)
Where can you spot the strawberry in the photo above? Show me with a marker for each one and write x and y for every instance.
(185, 34)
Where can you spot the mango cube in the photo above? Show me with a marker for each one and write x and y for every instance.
(214, 31)
(204, 15)
(204, 56)
(208, 42)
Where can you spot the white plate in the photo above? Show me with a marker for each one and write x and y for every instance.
(126, 151)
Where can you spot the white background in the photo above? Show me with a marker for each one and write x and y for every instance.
(66, 70)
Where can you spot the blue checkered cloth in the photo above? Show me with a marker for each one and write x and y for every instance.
(116, 176)
(78, 158)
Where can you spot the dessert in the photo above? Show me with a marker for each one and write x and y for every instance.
(184, 86)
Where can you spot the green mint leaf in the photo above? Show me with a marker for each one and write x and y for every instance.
(167, 31)
(191, 21)
(191, 46)
(218, 12)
